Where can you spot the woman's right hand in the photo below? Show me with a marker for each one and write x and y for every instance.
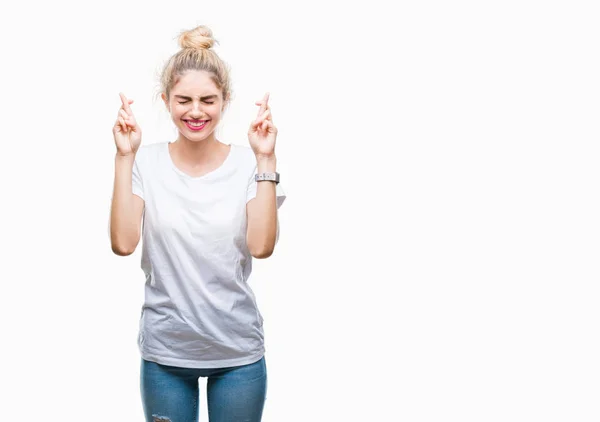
(126, 131)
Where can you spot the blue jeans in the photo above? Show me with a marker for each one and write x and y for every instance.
(234, 394)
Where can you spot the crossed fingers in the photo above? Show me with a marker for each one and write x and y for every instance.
(264, 113)
(126, 114)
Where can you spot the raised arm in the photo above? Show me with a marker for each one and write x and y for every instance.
(262, 210)
(127, 208)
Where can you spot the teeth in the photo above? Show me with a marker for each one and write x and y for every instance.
(196, 124)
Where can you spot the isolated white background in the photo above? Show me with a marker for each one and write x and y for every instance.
(438, 258)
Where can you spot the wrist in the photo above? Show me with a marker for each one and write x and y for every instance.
(125, 158)
(266, 163)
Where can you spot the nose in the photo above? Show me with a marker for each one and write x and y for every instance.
(196, 109)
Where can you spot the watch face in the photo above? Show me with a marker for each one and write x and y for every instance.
(272, 177)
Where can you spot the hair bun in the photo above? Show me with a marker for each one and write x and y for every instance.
(199, 38)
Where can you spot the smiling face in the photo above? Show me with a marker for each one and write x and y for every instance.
(196, 105)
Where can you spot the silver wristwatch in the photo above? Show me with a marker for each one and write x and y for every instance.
(271, 177)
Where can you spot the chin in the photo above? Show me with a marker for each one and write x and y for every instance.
(194, 137)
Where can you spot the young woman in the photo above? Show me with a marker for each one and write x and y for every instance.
(208, 208)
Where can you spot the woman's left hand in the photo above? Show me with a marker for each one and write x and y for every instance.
(262, 132)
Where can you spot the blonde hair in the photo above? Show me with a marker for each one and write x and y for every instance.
(196, 54)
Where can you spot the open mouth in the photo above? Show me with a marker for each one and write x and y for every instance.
(196, 124)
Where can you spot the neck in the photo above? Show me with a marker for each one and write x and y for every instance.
(197, 152)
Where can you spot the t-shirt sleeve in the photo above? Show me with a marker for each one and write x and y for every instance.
(251, 192)
(137, 187)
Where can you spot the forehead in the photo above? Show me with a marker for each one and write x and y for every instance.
(195, 83)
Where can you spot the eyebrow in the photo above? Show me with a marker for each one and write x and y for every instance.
(206, 97)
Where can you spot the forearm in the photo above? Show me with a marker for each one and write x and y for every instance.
(124, 229)
(262, 223)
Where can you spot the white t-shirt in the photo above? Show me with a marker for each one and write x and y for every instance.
(199, 311)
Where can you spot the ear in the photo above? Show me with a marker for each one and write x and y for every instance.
(166, 100)
(225, 103)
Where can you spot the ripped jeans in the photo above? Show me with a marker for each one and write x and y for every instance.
(234, 394)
